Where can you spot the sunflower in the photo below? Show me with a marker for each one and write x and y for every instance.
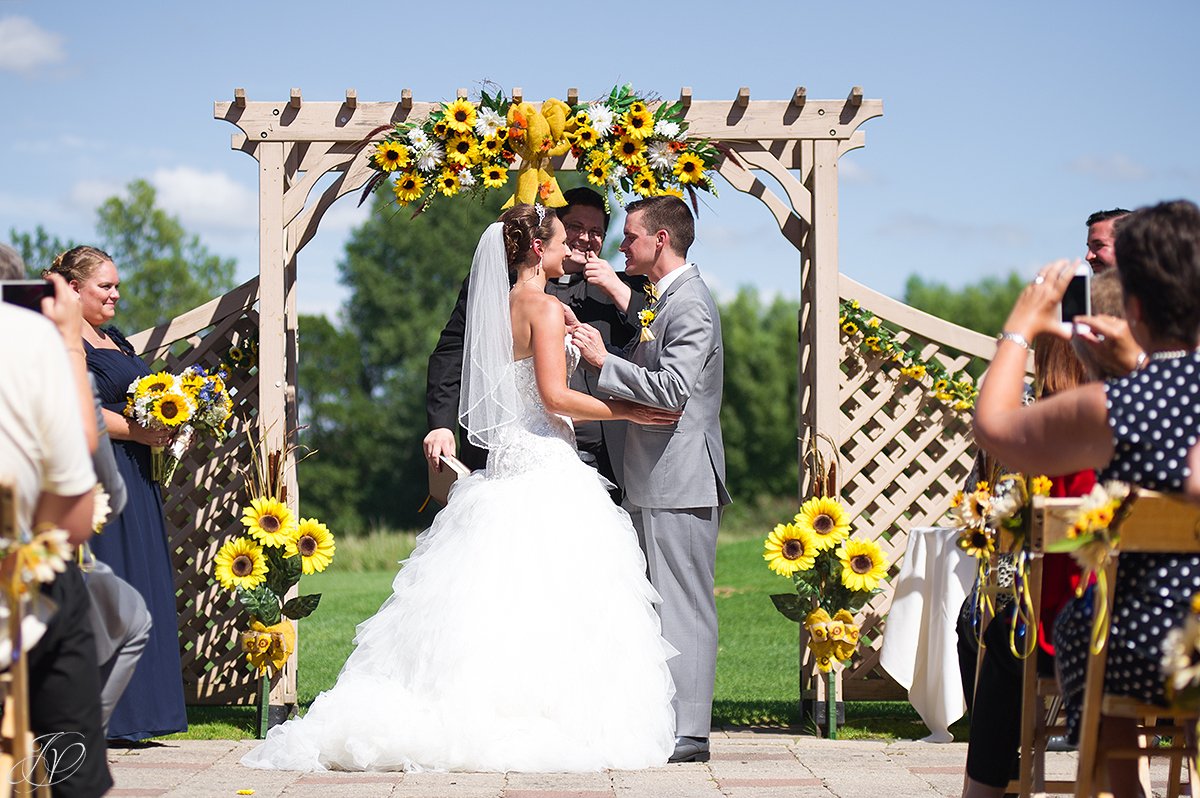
(391, 155)
(638, 124)
(670, 191)
(270, 521)
(976, 542)
(597, 173)
(1040, 485)
(409, 187)
(462, 149)
(645, 184)
(240, 563)
(441, 128)
(825, 519)
(940, 386)
(448, 182)
(637, 107)
(863, 564)
(460, 115)
(154, 383)
(491, 146)
(850, 328)
(586, 137)
(872, 342)
(789, 549)
(495, 176)
(191, 383)
(630, 151)
(689, 168)
(314, 543)
(172, 409)
(236, 355)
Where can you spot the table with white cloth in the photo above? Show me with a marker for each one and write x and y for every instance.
(920, 641)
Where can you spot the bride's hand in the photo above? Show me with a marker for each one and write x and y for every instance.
(652, 416)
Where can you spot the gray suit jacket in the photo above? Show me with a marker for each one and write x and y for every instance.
(683, 367)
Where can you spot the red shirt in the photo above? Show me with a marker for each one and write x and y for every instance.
(1060, 574)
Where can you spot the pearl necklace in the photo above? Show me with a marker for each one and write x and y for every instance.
(1171, 354)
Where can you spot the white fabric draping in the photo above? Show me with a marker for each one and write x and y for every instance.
(920, 641)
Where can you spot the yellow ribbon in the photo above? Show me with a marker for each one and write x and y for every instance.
(269, 645)
(1024, 611)
(538, 136)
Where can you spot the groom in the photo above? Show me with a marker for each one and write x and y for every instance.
(674, 476)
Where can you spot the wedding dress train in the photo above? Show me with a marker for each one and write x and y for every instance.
(520, 636)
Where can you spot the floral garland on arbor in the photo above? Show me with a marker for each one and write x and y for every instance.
(619, 142)
(872, 339)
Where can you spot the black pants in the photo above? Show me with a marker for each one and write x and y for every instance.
(995, 741)
(64, 695)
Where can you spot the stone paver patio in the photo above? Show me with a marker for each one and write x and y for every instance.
(745, 764)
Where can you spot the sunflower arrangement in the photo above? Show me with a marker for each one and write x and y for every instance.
(244, 354)
(871, 338)
(467, 147)
(1181, 659)
(263, 563)
(833, 573)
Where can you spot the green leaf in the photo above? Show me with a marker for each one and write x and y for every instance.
(1070, 544)
(301, 606)
(261, 603)
(790, 606)
(282, 572)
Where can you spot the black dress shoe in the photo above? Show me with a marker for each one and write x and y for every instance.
(1059, 743)
(690, 749)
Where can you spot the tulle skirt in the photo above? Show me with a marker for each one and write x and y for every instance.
(521, 636)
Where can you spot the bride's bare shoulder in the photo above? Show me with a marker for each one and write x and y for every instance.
(535, 304)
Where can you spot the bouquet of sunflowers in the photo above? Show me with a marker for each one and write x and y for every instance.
(468, 147)
(264, 563)
(834, 574)
(184, 404)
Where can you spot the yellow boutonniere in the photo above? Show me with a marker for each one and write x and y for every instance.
(645, 317)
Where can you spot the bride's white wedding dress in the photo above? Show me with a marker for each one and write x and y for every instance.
(521, 634)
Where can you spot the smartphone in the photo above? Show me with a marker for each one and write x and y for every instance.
(1077, 301)
(26, 293)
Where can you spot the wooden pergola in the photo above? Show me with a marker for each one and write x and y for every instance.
(902, 457)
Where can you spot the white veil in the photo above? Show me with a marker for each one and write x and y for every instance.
(487, 401)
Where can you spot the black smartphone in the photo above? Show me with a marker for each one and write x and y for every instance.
(1077, 301)
(26, 293)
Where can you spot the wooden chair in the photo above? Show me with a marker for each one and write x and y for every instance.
(1157, 524)
(16, 740)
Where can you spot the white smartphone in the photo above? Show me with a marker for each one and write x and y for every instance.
(1077, 301)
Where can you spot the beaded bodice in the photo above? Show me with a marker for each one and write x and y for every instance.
(538, 437)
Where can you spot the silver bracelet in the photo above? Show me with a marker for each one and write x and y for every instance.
(1016, 338)
(1141, 361)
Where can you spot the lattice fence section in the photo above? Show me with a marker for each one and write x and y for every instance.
(202, 507)
(903, 455)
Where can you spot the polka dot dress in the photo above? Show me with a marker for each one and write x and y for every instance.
(1154, 415)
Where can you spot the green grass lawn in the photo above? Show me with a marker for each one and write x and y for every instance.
(757, 662)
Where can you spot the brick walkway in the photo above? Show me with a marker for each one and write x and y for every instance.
(745, 764)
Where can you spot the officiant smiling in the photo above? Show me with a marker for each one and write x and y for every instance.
(597, 295)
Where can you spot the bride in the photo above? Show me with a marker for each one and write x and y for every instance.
(521, 634)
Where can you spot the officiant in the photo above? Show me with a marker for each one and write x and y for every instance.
(597, 295)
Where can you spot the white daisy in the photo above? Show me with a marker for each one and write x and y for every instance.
(666, 128)
(602, 118)
(488, 122)
(430, 158)
(466, 179)
(418, 139)
(660, 155)
(615, 174)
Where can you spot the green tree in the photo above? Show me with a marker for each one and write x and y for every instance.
(164, 270)
(758, 411)
(982, 306)
(404, 275)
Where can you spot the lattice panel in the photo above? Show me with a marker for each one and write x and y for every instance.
(202, 511)
(904, 454)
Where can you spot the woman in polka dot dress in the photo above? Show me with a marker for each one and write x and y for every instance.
(1139, 428)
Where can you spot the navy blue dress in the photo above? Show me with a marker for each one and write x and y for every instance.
(1154, 416)
(134, 544)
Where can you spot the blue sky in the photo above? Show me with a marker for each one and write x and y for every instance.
(1004, 124)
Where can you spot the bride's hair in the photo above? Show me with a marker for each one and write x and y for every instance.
(522, 225)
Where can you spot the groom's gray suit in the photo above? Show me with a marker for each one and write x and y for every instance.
(675, 479)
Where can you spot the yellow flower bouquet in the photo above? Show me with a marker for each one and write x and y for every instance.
(195, 401)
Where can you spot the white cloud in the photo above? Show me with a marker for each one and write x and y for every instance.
(206, 201)
(344, 215)
(1116, 168)
(24, 46)
(853, 172)
(88, 194)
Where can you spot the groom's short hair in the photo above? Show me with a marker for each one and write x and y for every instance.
(670, 214)
(587, 198)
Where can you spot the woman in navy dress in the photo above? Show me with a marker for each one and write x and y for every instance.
(134, 544)
(1137, 429)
